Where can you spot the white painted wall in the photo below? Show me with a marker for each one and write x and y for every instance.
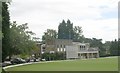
(71, 52)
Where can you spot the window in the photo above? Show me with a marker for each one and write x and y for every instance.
(61, 49)
(64, 46)
(58, 49)
(80, 46)
(57, 46)
(64, 49)
(84, 46)
(61, 46)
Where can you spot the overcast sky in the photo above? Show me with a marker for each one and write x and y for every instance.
(98, 18)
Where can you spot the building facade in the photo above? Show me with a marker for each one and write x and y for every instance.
(72, 50)
(81, 51)
(56, 45)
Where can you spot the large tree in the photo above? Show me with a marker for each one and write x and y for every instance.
(65, 30)
(50, 34)
(5, 30)
(20, 39)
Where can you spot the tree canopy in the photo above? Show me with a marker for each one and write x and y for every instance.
(49, 35)
(65, 30)
(21, 40)
(5, 31)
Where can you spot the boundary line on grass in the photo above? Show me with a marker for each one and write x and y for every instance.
(33, 63)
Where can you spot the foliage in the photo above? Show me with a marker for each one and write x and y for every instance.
(20, 39)
(54, 56)
(106, 46)
(1, 35)
(49, 35)
(77, 33)
(16, 39)
(114, 48)
(65, 30)
(5, 30)
(23, 56)
(94, 42)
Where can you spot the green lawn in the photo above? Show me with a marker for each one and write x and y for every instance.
(101, 64)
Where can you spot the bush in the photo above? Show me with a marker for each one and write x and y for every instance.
(54, 56)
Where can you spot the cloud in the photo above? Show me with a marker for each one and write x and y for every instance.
(106, 29)
(98, 18)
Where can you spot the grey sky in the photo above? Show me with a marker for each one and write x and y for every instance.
(98, 18)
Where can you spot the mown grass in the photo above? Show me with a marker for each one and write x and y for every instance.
(100, 64)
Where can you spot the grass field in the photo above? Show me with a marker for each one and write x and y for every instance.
(101, 64)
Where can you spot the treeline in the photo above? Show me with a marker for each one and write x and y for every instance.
(67, 31)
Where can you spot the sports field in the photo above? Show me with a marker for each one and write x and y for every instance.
(100, 64)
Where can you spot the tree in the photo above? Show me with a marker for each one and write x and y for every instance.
(98, 43)
(65, 30)
(49, 35)
(77, 34)
(5, 30)
(20, 40)
(94, 42)
(106, 46)
(114, 50)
